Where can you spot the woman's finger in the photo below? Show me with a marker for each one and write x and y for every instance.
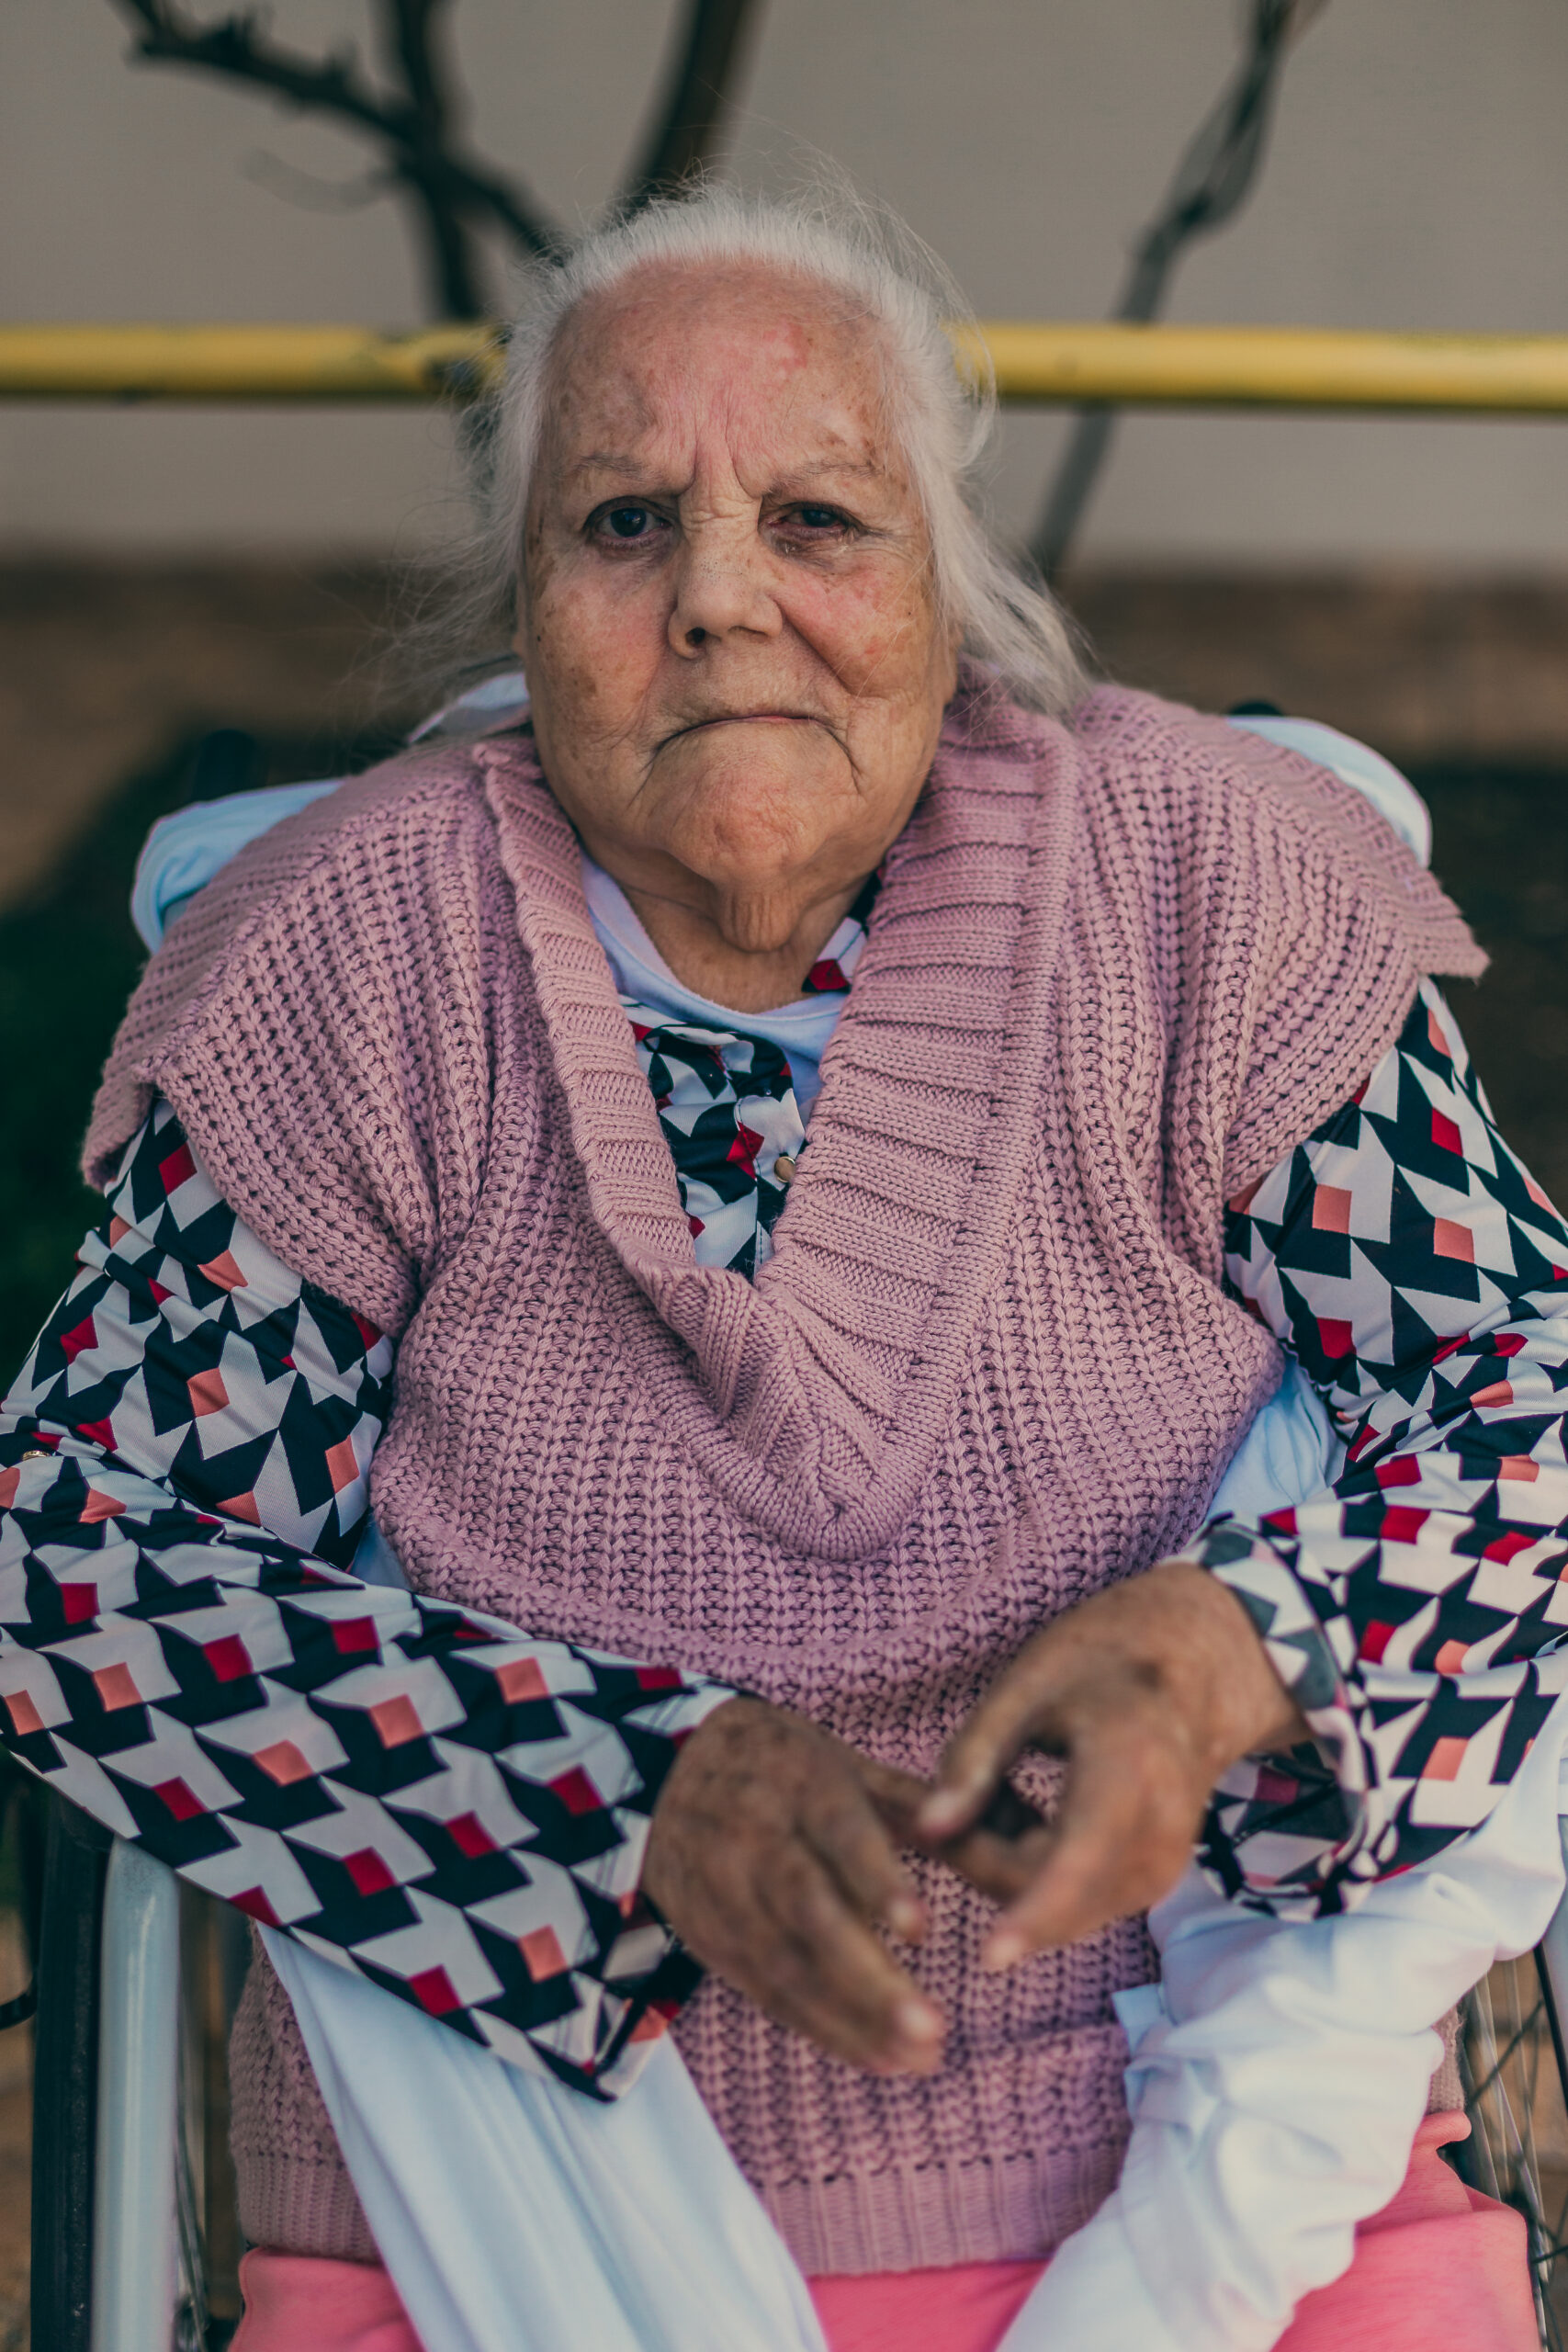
(1001, 1869)
(897, 1795)
(1123, 1837)
(978, 1757)
(852, 1840)
(825, 1975)
(999, 1856)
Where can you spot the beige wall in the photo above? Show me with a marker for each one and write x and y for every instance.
(1419, 179)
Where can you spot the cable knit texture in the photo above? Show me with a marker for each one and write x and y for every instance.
(1114, 971)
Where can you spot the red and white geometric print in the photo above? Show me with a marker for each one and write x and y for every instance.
(1420, 1274)
(260, 1398)
(727, 1109)
(420, 1793)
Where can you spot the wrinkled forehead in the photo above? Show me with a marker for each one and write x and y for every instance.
(680, 365)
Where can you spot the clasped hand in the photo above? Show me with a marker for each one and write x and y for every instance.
(775, 1847)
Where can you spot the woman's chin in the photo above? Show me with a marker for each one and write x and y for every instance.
(756, 825)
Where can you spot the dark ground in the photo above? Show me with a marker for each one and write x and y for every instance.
(1501, 847)
(68, 959)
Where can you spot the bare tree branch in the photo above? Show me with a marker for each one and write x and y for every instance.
(451, 249)
(452, 189)
(1213, 179)
(452, 193)
(686, 128)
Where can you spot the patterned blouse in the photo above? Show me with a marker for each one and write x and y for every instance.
(186, 1652)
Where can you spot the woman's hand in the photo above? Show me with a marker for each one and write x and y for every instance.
(772, 1854)
(1150, 1691)
(769, 1857)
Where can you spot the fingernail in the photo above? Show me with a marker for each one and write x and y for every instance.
(943, 1812)
(917, 2022)
(1002, 1950)
(905, 1916)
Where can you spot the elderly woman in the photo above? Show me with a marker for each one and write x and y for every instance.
(784, 1440)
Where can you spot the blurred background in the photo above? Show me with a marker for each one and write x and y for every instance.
(165, 571)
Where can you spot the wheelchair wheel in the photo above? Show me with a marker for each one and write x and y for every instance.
(1510, 2057)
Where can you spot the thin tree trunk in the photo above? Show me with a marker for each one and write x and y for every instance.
(686, 130)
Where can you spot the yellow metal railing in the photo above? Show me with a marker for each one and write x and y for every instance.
(244, 363)
(1051, 364)
(1307, 368)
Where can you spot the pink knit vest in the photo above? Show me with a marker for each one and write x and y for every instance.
(1113, 973)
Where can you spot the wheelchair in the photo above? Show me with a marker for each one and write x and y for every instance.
(135, 2236)
(135, 2239)
(1514, 2074)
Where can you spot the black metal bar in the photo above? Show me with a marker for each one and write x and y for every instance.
(1471, 2157)
(703, 70)
(65, 2080)
(1213, 181)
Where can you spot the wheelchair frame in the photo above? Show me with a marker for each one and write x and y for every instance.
(116, 2257)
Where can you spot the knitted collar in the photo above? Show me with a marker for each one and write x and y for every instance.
(821, 1389)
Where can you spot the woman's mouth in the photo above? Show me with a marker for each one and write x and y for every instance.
(756, 718)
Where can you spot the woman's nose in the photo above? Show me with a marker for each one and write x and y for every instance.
(722, 587)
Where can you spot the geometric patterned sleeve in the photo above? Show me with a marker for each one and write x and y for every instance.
(1415, 1607)
(422, 1793)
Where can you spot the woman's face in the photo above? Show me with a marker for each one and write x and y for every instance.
(736, 664)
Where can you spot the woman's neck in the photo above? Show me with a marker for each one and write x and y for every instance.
(702, 949)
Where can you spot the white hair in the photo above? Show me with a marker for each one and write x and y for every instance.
(940, 390)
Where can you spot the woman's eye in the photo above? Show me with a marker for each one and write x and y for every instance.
(809, 525)
(629, 522)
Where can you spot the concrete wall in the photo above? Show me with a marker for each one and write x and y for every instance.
(1418, 178)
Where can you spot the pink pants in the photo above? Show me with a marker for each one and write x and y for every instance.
(1441, 2269)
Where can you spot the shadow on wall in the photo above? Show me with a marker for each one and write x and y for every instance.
(68, 959)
